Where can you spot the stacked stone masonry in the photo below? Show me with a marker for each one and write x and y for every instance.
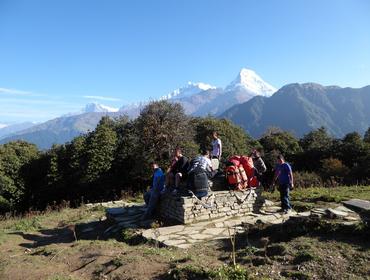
(217, 204)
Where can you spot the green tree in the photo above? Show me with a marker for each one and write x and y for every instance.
(54, 173)
(100, 149)
(281, 141)
(14, 160)
(317, 140)
(351, 149)
(333, 170)
(316, 145)
(161, 127)
(235, 141)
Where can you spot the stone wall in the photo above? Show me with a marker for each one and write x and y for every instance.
(217, 204)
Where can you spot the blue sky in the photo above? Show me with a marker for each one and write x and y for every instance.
(54, 55)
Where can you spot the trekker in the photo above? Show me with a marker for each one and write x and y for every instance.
(284, 174)
(178, 170)
(169, 182)
(216, 150)
(151, 197)
(199, 172)
(259, 166)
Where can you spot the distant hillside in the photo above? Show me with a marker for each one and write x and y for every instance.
(302, 107)
(13, 128)
(57, 131)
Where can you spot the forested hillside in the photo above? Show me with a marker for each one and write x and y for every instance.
(115, 157)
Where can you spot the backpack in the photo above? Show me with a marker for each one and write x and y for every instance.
(198, 180)
(234, 160)
(235, 174)
(247, 163)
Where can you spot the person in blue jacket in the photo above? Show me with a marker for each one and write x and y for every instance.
(151, 197)
(284, 174)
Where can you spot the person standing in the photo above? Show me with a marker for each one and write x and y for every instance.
(216, 150)
(152, 196)
(284, 174)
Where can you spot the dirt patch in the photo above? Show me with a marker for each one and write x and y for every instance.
(300, 250)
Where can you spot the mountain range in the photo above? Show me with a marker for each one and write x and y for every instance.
(248, 101)
(300, 108)
(198, 99)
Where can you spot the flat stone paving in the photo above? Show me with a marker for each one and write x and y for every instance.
(185, 236)
(358, 204)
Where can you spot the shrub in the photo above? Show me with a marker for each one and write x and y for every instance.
(236, 272)
(307, 180)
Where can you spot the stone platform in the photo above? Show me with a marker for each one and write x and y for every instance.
(185, 236)
(218, 204)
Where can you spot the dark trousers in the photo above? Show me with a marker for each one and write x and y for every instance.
(284, 196)
(151, 199)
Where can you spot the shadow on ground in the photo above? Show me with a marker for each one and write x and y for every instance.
(66, 234)
(261, 235)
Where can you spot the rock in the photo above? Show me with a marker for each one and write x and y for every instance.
(357, 204)
(335, 214)
(350, 223)
(184, 246)
(352, 218)
(213, 231)
(304, 214)
(344, 209)
(149, 234)
(200, 236)
(319, 211)
(268, 203)
(174, 242)
(169, 230)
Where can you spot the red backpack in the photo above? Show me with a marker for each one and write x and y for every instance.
(247, 163)
(235, 174)
(235, 160)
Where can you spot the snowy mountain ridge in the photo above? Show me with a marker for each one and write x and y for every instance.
(249, 80)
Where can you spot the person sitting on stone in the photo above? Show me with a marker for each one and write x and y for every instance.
(151, 197)
(199, 172)
(178, 170)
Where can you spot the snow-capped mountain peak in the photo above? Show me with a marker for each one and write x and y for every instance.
(98, 108)
(188, 90)
(249, 80)
(2, 125)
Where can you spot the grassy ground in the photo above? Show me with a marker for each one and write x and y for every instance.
(304, 199)
(70, 244)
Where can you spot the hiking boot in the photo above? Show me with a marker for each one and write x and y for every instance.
(287, 211)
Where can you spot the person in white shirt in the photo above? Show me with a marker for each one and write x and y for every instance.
(199, 173)
(202, 161)
(216, 146)
(216, 150)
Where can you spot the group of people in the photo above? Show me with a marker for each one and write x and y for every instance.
(195, 174)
